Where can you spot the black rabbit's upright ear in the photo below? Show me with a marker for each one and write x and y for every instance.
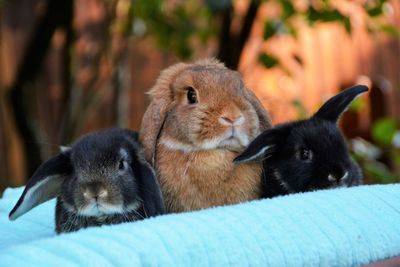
(44, 184)
(338, 104)
(264, 145)
(150, 191)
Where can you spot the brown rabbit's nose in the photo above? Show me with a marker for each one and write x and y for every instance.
(231, 120)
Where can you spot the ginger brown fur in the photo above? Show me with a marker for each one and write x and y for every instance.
(201, 179)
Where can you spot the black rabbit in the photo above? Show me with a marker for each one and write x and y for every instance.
(101, 179)
(308, 154)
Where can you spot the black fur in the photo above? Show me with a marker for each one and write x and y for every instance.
(306, 155)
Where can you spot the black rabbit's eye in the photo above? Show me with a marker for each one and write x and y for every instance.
(121, 165)
(191, 95)
(305, 154)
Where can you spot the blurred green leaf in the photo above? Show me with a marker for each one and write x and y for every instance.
(328, 15)
(274, 27)
(383, 131)
(175, 26)
(379, 172)
(347, 24)
(269, 29)
(287, 9)
(391, 30)
(374, 8)
(291, 29)
(301, 110)
(357, 105)
(268, 61)
(324, 15)
(375, 11)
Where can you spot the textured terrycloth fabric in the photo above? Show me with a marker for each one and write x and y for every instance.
(342, 227)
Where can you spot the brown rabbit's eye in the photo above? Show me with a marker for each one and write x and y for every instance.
(305, 154)
(191, 95)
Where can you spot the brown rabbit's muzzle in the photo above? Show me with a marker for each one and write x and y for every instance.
(226, 123)
(235, 136)
(235, 126)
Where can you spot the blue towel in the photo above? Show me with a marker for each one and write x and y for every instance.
(341, 227)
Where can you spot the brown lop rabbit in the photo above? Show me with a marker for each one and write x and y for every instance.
(201, 117)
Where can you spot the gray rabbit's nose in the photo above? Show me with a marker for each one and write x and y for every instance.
(94, 191)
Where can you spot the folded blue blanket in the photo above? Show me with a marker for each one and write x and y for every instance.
(341, 227)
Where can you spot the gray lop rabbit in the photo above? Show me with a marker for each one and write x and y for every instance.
(101, 179)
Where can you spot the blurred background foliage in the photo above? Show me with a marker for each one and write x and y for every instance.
(73, 66)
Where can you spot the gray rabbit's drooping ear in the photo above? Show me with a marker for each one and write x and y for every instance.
(156, 112)
(149, 188)
(150, 193)
(338, 104)
(44, 184)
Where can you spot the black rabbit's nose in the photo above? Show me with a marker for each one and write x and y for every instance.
(338, 178)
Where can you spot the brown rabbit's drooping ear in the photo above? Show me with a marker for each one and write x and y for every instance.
(265, 120)
(156, 113)
(44, 185)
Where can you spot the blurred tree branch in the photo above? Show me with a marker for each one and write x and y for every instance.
(66, 58)
(57, 14)
(231, 46)
(121, 28)
(87, 95)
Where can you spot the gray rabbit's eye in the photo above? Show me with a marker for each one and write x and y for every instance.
(122, 165)
(305, 154)
(123, 162)
(191, 95)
